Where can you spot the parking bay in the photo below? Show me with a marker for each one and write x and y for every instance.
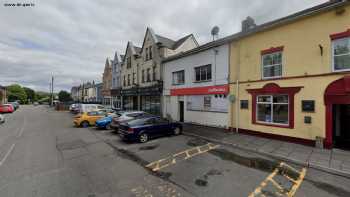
(222, 171)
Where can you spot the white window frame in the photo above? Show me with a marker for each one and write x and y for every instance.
(272, 104)
(333, 56)
(206, 73)
(175, 73)
(262, 65)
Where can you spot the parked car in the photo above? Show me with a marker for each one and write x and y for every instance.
(72, 107)
(35, 103)
(86, 119)
(90, 107)
(15, 105)
(2, 119)
(144, 129)
(6, 108)
(105, 122)
(123, 116)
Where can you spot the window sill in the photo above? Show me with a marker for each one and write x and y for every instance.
(342, 70)
(267, 78)
(274, 125)
(202, 81)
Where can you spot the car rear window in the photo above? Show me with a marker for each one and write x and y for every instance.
(137, 122)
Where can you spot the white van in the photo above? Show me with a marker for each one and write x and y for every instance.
(90, 107)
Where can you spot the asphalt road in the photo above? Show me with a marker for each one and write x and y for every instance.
(42, 154)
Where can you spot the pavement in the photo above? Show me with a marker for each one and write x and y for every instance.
(333, 161)
(43, 155)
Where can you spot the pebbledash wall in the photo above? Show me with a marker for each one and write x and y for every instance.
(306, 45)
(205, 102)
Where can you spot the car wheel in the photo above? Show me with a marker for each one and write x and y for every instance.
(84, 124)
(108, 127)
(177, 131)
(143, 137)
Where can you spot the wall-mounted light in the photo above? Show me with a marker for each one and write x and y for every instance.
(321, 49)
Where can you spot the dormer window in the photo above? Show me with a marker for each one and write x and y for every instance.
(148, 53)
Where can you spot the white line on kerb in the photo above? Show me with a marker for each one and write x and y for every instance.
(7, 154)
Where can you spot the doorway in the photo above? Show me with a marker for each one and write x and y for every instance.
(135, 103)
(341, 126)
(181, 111)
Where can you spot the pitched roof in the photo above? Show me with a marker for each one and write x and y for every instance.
(171, 44)
(329, 5)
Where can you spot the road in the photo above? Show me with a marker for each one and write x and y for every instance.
(42, 154)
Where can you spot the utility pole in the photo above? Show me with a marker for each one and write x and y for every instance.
(52, 91)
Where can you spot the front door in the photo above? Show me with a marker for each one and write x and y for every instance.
(341, 126)
(181, 111)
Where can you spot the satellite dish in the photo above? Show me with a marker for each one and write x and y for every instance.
(215, 32)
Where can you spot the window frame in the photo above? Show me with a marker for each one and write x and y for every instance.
(129, 79)
(272, 65)
(333, 56)
(271, 103)
(154, 73)
(143, 76)
(200, 75)
(177, 72)
(148, 74)
(128, 62)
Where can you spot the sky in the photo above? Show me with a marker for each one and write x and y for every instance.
(72, 39)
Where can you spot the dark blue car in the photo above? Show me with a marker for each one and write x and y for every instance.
(146, 128)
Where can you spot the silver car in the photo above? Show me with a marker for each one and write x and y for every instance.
(2, 119)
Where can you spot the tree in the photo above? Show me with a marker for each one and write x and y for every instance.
(16, 92)
(31, 95)
(64, 96)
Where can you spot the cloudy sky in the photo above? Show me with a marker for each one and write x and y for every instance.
(71, 39)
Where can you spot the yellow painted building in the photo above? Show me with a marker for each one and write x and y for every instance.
(290, 77)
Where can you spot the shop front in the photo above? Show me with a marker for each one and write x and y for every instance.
(130, 99)
(116, 98)
(150, 99)
(206, 105)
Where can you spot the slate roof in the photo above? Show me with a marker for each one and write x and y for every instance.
(329, 5)
(171, 44)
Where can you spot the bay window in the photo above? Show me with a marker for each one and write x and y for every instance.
(341, 54)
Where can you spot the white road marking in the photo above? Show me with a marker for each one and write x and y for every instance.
(7, 154)
(20, 133)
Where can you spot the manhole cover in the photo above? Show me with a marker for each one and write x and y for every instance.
(71, 145)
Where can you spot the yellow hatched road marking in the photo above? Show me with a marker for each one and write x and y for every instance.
(281, 191)
(189, 153)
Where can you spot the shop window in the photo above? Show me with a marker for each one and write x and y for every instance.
(203, 73)
(179, 77)
(341, 54)
(273, 109)
(272, 65)
(273, 105)
(207, 103)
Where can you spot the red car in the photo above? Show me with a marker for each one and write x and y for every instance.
(6, 108)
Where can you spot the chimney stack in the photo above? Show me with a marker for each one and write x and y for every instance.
(248, 24)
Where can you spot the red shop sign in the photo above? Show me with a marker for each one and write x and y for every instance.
(221, 89)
